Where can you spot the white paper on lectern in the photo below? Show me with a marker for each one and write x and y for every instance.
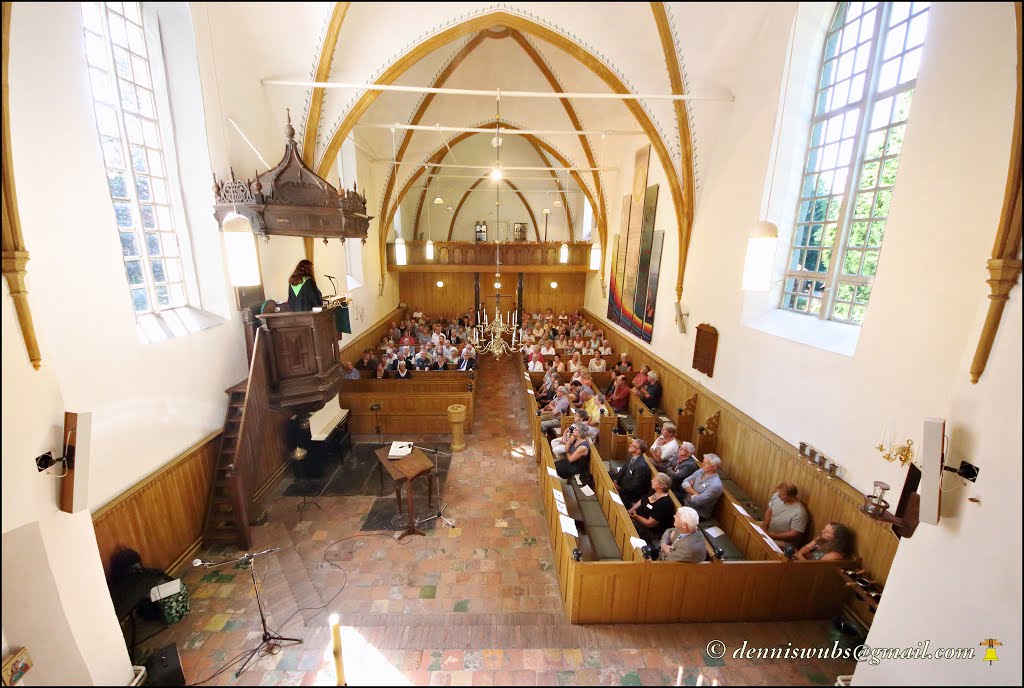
(616, 498)
(552, 472)
(559, 497)
(568, 526)
(399, 449)
(637, 542)
(561, 508)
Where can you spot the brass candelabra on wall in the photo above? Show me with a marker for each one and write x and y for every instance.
(904, 453)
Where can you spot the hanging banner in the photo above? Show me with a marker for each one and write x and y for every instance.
(652, 287)
(636, 321)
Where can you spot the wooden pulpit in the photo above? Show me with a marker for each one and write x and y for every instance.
(305, 372)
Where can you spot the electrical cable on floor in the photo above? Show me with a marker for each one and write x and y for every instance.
(274, 648)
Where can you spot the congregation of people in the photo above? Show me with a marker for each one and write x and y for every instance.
(555, 345)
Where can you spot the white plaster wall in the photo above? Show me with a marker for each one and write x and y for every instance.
(960, 582)
(908, 354)
(149, 401)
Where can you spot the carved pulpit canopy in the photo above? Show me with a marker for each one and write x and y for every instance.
(291, 200)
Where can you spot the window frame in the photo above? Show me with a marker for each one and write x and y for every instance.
(833, 279)
(157, 321)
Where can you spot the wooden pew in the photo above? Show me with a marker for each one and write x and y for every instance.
(406, 406)
(686, 419)
(619, 522)
(644, 419)
(707, 441)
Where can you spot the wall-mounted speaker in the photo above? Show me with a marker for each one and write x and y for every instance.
(932, 458)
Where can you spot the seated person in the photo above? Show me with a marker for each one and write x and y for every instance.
(665, 447)
(466, 362)
(547, 389)
(579, 393)
(557, 363)
(417, 313)
(575, 363)
(390, 359)
(422, 360)
(623, 366)
(407, 338)
(684, 465)
(577, 454)
(640, 379)
(536, 364)
(367, 362)
(422, 335)
(619, 396)
(579, 343)
(581, 418)
(561, 342)
(605, 349)
(563, 317)
(633, 479)
(452, 361)
(547, 348)
(704, 488)
(597, 365)
(529, 347)
(684, 542)
(537, 331)
(348, 371)
(650, 393)
(550, 414)
(785, 519)
(834, 543)
(402, 372)
(381, 373)
(653, 515)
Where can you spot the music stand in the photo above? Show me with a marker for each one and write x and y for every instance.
(268, 637)
(441, 505)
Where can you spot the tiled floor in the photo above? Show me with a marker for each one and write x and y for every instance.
(476, 604)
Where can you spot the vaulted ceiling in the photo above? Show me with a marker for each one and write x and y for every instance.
(546, 47)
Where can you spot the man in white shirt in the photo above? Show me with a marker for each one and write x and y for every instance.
(417, 313)
(665, 447)
(597, 365)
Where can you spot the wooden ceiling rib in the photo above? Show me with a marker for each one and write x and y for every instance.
(504, 19)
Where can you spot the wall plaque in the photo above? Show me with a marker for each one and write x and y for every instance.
(705, 349)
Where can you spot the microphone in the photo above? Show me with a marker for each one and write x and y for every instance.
(201, 562)
(330, 276)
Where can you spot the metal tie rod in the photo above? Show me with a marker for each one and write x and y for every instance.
(728, 97)
(504, 131)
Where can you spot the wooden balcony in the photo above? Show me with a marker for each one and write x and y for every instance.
(461, 256)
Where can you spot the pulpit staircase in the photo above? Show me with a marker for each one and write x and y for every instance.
(227, 521)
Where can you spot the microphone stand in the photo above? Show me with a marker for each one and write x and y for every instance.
(441, 506)
(268, 637)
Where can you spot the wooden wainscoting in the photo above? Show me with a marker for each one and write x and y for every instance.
(419, 289)
(538, 294)
(759, 460)
(353, 349)
(161, 517)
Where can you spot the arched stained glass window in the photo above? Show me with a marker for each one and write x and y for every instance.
(869, 67)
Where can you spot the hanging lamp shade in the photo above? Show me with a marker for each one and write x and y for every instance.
(563, 254)
(760, 258)
(558, 203)
(595, 256)
(400, 256)
(438, 200)
(240, 249)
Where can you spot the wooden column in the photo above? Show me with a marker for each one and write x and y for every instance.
(1004, 268)
(15, 256)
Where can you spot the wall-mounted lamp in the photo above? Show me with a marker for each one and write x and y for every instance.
(760, 258)
(440, 284)
(554, 285)
(903, 453)
(240, 248)
(400, 256)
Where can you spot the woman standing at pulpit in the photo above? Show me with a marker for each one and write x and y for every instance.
(303, 294)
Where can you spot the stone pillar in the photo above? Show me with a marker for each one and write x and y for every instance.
(457, 415)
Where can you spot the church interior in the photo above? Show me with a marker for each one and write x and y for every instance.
(378, 330)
